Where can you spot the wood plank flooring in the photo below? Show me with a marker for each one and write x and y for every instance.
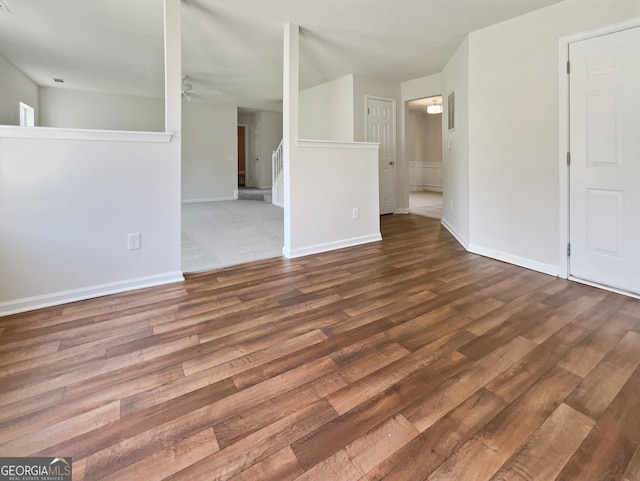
(406, 359)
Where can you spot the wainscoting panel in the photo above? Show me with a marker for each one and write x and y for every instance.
(425, 176)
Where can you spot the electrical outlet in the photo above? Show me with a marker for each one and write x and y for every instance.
(133, 241)
(356, 213)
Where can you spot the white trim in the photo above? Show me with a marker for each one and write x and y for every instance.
(427, 169)
(455, 234)
(605, 287)
(73, 295)
(563, 169)
(330, 246)
(502, 256)
(455, 121)
(27, 115)
(12, 132)
(210, 199)
(563, 115)
(394, 130)
(335, 144)
(515, 260)
(246, 152)
(403, 210)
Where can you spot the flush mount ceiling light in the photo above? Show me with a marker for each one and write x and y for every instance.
(435, 108)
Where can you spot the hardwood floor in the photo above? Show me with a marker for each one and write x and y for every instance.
(406, 359)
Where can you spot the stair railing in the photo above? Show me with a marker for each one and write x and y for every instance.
(276, 162)
(277, 165)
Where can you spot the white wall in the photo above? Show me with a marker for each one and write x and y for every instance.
(455, 161)
(326, 111)
(66, 207)
(428, 137)
(77, 109)
(247, 118)
(68, 200)
(270, 137)
(422, 87)
(209, 139)
(16, 87)
(410, 136)
(513, 129)
(322, 220)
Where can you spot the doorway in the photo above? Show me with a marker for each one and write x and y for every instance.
(253, 161)
(423, 151)
(603, 157)
(242, 143)
(381, 128)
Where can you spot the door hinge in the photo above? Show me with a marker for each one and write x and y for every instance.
(568, 250)
(568, 158)
(368, 111)
(568, 67)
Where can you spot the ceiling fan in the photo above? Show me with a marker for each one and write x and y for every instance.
(201, 91)
(186, 88)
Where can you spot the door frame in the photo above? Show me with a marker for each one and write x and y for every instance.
(251, 165)
(246, 147)
(564, 141)
(368, 97)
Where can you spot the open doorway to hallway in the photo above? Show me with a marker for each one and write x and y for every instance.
(235, 222)
(423, 146)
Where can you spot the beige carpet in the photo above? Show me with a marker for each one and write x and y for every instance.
(426, 204)
(226, 233)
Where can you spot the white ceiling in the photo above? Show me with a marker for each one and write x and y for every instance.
(232, 50)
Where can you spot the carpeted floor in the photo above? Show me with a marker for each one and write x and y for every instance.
(226, 233)
(426, 204)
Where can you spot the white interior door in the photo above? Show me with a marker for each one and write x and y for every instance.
(253, 160)
(604, 226)
(381, 129)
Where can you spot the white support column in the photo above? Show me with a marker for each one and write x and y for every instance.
(172, 68)
(290, 121)
(173, 110)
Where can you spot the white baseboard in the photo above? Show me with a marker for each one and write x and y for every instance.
(635, 295)
(208, 199)
(402, 210)
(515, 260)
(502, 256)
(455, 234)
(329, 246)
(64, 297)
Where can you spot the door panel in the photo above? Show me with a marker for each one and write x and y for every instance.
(604, 222)
(381, 129)
(252, 164)
(605, 160)
(241, 156)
